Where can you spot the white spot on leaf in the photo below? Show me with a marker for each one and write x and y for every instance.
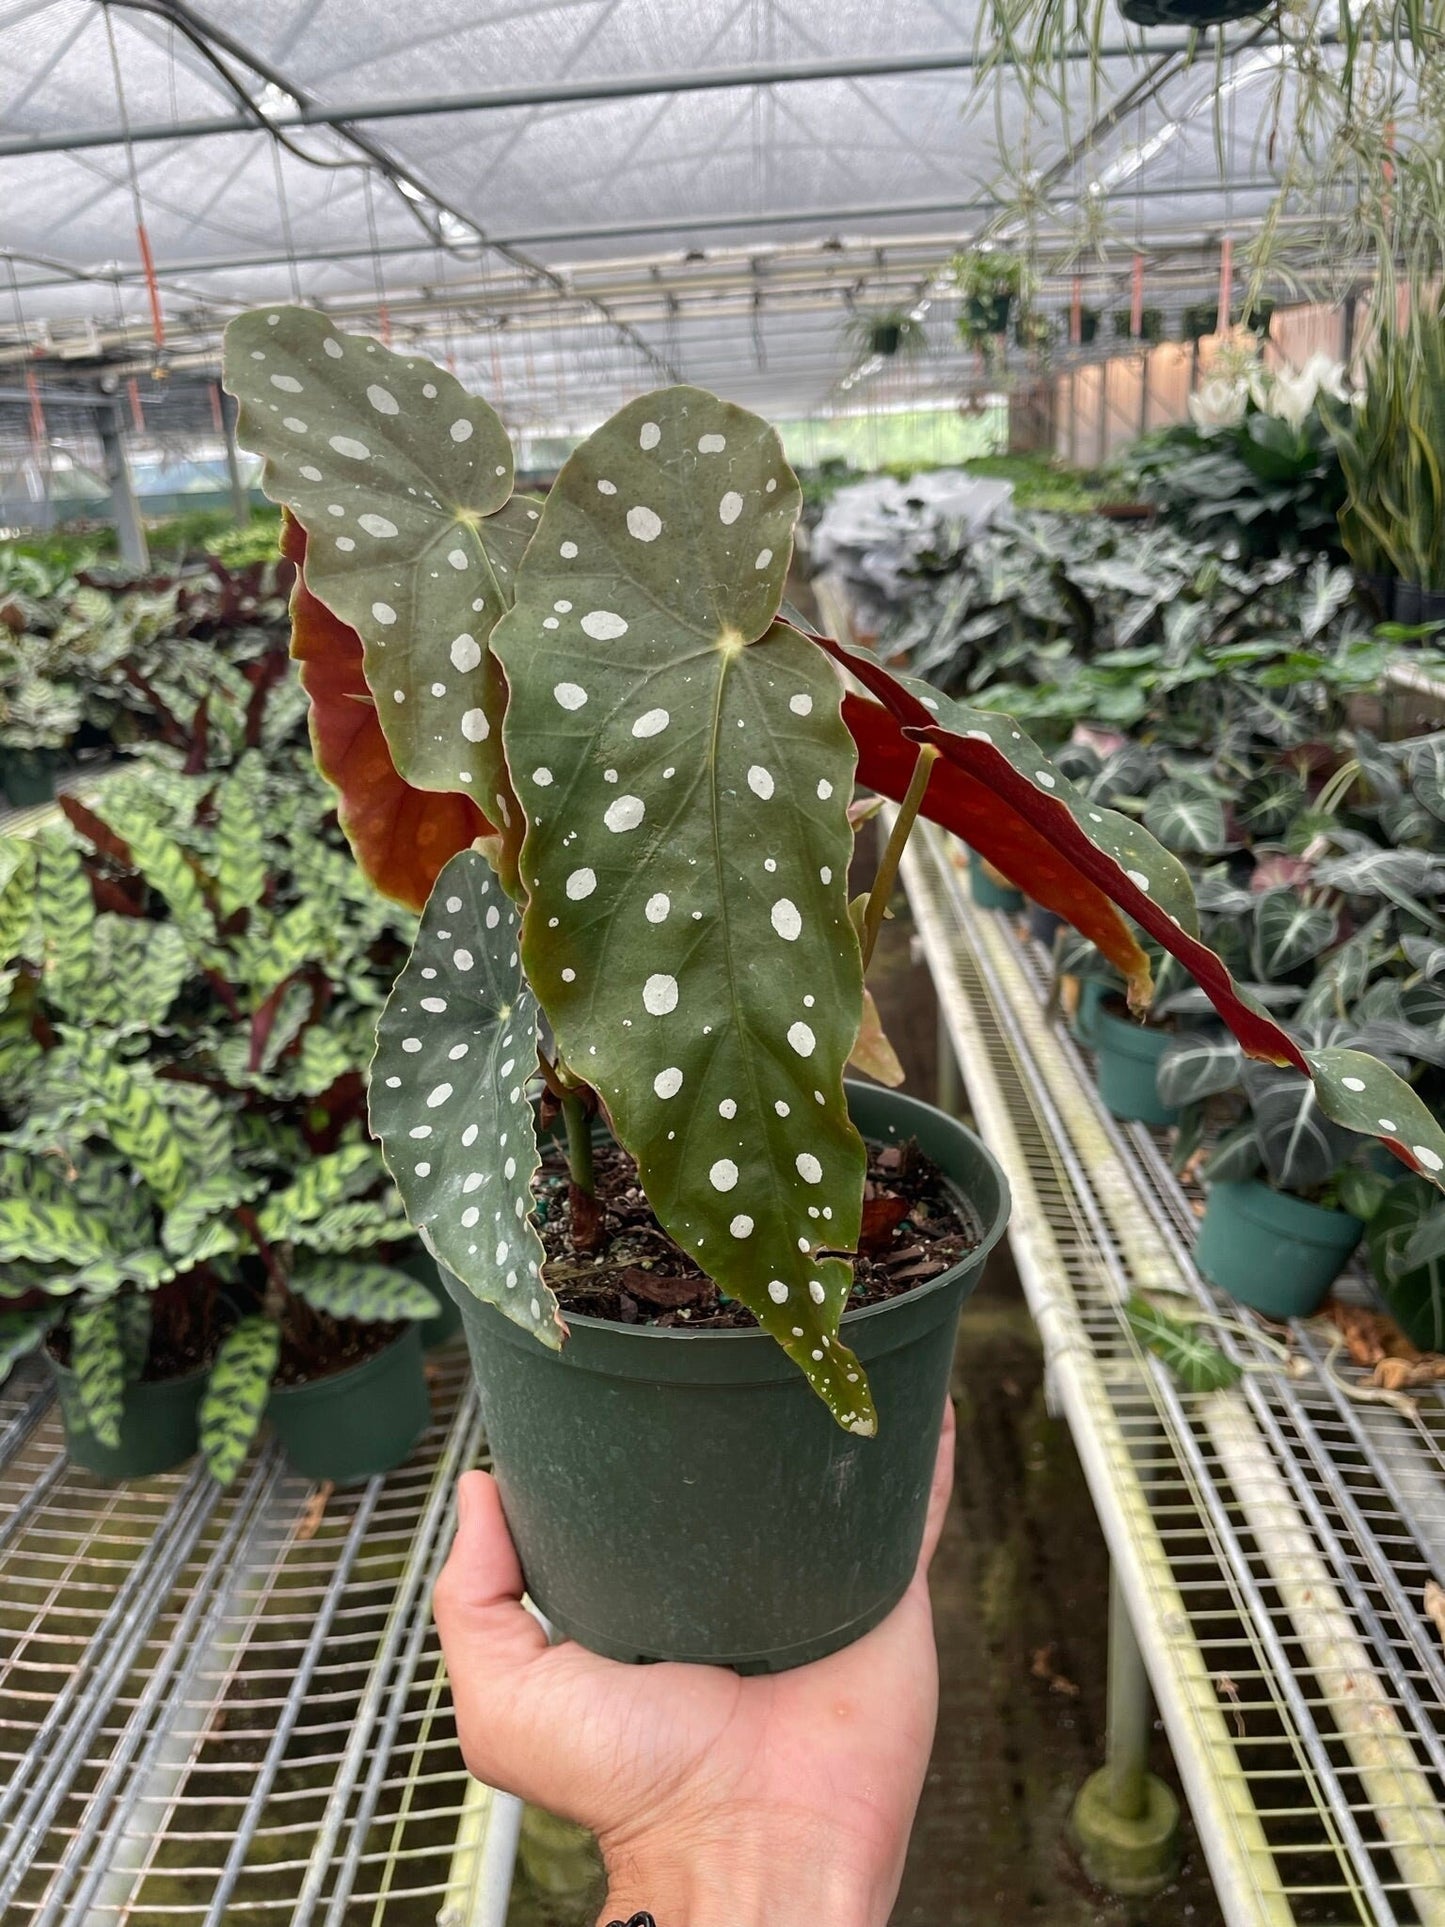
(603, 625)
(659, 993)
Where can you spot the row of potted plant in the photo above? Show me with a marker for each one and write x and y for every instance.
(195, 1228)
(93, 658)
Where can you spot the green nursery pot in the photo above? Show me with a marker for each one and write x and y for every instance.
(1126, 1068)
(446, 1321)
(685, 1495)
(1085, 1022)
(27, 776)
(987, 894)
(158, 1425)
(351, 1425)
(1277, 1253)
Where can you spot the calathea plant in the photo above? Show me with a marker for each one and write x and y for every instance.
(664, 767)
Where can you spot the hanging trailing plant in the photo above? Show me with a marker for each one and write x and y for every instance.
(893, 333)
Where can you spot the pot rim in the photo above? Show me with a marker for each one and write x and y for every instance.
(328, 1379)
(131, 1384)
(975, 1255)
(1292, 1206)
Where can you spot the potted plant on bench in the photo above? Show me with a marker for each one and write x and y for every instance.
(652, 925)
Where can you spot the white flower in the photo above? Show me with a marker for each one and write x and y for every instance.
(1292, 394)
(1218, 404)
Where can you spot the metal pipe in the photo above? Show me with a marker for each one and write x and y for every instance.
(124, 509)
(560, 93)
(1130, 1714)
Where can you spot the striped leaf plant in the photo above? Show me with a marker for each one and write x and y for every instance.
(645, 905)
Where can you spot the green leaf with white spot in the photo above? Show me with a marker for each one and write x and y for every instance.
(455, 1047)
(1364, 1095)
(98, 1361)
(344, 1288)
(685, 776)
(236, 1393)
(403, 484)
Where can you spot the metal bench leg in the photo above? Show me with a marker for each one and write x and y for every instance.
(948, 1093)
(1125, 1821)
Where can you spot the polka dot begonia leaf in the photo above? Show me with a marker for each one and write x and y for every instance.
(1113, 856)
(685, 777)
(403, 484)
(455, 1047)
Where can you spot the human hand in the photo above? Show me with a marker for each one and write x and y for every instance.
(783, 1800)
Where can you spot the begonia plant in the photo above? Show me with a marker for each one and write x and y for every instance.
(645, 899)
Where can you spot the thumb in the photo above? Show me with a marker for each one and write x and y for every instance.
(486, 1631)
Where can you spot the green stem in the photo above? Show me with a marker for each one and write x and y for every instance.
(579, 1143)
(887, 875)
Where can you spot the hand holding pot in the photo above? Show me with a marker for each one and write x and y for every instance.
(717, 1801)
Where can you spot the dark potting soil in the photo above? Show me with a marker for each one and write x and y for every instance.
(183, 1337)
(345, 1343)
(623, 1266)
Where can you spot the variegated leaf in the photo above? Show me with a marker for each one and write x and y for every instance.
(403, 484)
(17, 887)
(1288, 932)
(686, 779)
(455, 1048)
(98, 1361)
(322, 1183)
(135, 1119)
(1198, 1064)
(1185, 819)
(20, 1333)
(375, 1294)
(236, 1393)
(240, 859)
(1362, 1094)
(66, 910)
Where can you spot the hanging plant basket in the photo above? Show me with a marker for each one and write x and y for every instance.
(1189, 13)
(985, 315)
(1151, 324)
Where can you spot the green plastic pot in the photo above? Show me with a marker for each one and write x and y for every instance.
(685, 1495)
(27, 776)
(158, 1425)
(1275, 1252)
(446, 1321)
(351, 1425)
(1127, 1065)
(1084, 1023)
(987, 894)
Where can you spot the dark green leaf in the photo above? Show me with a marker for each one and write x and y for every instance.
(236, 1394)
(98, 1361)
(1194, 1359)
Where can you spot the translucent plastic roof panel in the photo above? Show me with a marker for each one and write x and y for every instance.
(573, 199)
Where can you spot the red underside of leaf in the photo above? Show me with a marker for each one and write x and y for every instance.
(1000, 796)
(402, 837)
(971, 808)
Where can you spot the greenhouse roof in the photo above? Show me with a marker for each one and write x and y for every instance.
(574, 199)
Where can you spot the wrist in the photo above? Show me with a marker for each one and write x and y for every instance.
(782, 1882)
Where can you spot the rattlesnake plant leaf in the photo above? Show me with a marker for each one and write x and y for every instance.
(135, 1119)
(186, 1231)
(347, 1288)
(133, 1330)
(20, 1333)
(236, 1394)
(361, 1226)
(686, 780)
(17, 886)
(455, 1047)
(400, 835)
(98, 1361)
(240, 851)
(138, 970)
(403, 484)
(66, 909)
(324, 1182)
(1123, 862)
(48, 1230)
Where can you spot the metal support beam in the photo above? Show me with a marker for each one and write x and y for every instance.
(556, 93)
(124, 509)
(240, 494)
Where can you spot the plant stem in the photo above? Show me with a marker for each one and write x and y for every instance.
(888, 865)
(579, 1143)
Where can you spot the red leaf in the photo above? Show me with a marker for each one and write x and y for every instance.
(402, 837)
(973, 810)
(1012, 821)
